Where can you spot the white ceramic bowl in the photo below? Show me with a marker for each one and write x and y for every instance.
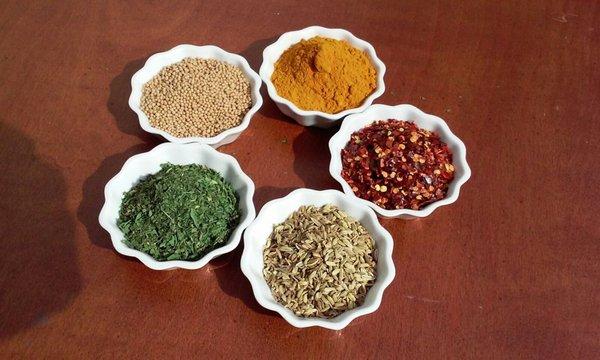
(156, 62)
(149, 162)
(426, 121)
(275, 212)
(316, 118)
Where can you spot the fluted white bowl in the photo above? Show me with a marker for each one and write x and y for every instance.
(141, 165)
(311, 117)
(157, 62)
(275, 212)
(423, 120)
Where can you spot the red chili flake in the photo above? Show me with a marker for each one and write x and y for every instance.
(397, 165)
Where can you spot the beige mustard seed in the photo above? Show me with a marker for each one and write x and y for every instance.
(320, 262)
(197, 97)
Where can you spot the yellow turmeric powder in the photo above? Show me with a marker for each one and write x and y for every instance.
(324, 74)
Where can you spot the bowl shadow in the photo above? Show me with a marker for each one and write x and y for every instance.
(253, 54)
(265, 194)
(311, 158)
(233, 282)
(120, 89)
(227, 267)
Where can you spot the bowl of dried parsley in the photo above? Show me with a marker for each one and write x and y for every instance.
(318, 258)
(178, 206)
(398, 160)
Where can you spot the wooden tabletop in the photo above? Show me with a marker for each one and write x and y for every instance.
(511, 270)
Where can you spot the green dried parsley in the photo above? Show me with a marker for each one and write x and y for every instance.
(180, 213)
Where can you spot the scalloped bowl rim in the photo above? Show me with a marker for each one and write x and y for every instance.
(106, 216)
(136, 93)
(302, 196)
(331, 33)
(354, 122)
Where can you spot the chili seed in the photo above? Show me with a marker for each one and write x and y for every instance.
(396, 155)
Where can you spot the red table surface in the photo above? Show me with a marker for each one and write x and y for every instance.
(511, 270)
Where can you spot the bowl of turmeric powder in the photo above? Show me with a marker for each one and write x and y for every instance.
(317, 75)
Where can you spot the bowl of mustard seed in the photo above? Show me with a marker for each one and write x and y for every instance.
(200, 94)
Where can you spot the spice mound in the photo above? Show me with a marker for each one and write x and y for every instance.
(324, 74)
(197, 97)
(397, 165)
(320, 262)
(180, 213)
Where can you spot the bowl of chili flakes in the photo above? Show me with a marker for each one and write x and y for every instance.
(399, 160)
